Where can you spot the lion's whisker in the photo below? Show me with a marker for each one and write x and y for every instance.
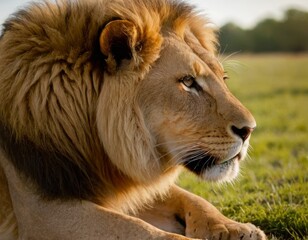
(199, 156)
(179, 154)
(179, 148)
(171, 142)
(228, 56)
(178, 158)
(192, 159)
(210, 159)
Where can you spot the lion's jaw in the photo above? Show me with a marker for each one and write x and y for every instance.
(204, 127)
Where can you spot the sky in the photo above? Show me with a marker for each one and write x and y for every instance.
(245, 13)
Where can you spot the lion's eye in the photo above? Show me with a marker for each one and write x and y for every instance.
(188, 81)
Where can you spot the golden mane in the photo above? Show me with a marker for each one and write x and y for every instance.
(174, 15)
(52, 76)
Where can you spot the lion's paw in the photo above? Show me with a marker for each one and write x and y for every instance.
(230, 231)
(237, 231)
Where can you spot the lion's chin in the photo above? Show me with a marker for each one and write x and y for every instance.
(216, 172)
(224, 172)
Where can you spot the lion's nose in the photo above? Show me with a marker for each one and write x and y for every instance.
(243, 132)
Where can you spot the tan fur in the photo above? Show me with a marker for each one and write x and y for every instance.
(96, 122)
(8, 227)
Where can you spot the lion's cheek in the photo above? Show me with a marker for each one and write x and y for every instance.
(124, 137)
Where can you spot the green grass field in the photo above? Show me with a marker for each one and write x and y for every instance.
(272, 191)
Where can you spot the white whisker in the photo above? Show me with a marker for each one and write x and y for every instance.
(181, 149)
(228, 56)
(184, 153)
(172, 142)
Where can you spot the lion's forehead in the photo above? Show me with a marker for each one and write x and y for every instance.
(190, 56)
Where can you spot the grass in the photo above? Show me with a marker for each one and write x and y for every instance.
(272, 191)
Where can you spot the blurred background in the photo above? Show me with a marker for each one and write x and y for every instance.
(264, 49)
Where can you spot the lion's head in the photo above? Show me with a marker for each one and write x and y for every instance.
(115, 93)
(182, 106)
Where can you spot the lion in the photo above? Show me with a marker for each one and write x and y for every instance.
(103, 104)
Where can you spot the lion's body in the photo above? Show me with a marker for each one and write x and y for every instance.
(93, 106)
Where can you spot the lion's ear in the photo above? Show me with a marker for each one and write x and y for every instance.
(117, 42)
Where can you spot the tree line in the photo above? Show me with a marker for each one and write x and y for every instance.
(287, 35)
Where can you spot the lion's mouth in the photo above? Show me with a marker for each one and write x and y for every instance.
(198, 165)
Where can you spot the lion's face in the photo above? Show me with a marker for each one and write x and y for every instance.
(195, 121)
